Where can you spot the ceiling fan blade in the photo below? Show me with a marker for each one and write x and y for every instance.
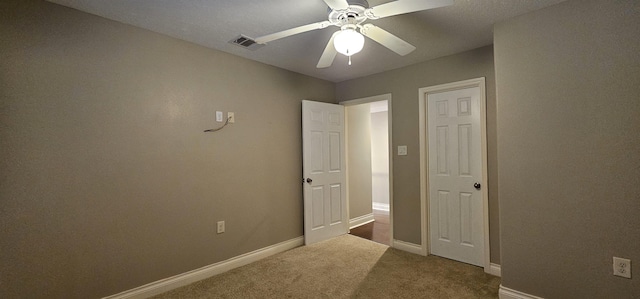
(405, 6)
(337, 4)
(293, 31)
(329, 53)
(387, 39)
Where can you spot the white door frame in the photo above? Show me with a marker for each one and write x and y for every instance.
(382, 97)
(423, 94)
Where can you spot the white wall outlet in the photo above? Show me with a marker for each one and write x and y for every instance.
(219, 116)
(621, 267)
(232, 117)
(221, 227)
(402, 150)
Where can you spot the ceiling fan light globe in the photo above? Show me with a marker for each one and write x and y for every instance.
(348, 42)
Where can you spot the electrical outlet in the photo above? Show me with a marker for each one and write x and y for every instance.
(621, 267)
(219, 116)
(232, 117)
(221, 227)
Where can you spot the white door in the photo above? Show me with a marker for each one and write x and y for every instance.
(455, 174)
(324, 179)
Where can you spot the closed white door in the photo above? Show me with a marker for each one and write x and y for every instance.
(324, 179)
(455, 173)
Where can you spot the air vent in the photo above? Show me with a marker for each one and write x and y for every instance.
(246, 42)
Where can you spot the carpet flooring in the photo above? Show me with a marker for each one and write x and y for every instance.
(346, 267)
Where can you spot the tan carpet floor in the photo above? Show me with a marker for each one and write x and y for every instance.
(346, 267)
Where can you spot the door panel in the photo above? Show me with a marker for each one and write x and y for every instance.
(325, 210)
(455, 164)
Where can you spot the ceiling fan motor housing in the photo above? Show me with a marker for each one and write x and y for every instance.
(354, 14)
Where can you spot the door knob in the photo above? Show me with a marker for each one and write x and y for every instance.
(477, 185)
(309, 180)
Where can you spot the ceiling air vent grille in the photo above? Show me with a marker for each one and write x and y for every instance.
(246, 42)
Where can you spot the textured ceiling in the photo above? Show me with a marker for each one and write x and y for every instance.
(466, 25)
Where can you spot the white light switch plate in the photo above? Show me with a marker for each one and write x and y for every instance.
(219, 116)
(402, 150)
(220, 228)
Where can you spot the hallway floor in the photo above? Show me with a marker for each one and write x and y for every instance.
(377, 231)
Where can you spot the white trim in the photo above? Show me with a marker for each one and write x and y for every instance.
(167, 284)
(408, 247)
(424, 207)
(346, 162)
(378, 98)
(494, 269)
(424, 175)
(390, 121)
(507, 293)
(383, 97)
(381, 207)
(362, 220)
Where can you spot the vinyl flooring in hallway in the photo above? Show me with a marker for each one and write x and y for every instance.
(377, 231)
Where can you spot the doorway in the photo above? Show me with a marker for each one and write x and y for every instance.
(368, 167)
(453, 174)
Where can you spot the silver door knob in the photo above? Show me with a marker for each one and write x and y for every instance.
(309, 180)
(477, 185)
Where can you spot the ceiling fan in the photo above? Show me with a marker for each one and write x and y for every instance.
(350, 15)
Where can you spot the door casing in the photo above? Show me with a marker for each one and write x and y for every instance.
(423, 94)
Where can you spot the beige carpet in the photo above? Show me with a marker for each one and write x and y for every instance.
(346, 267)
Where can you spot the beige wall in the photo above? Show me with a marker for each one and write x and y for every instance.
(568, 85)
(359, 159)
(107, 181)
(403, 84)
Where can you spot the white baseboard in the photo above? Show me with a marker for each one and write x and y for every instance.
(381, 207)
(408, 247)
(507, 293)
(493, 269)
(362, 220)
(167, 284)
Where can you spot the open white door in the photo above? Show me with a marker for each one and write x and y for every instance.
(324, 179)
